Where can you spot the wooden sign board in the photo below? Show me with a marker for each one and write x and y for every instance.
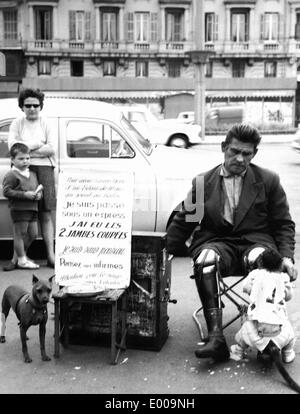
(93, 230)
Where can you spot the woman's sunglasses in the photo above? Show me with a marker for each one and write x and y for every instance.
(31, 105)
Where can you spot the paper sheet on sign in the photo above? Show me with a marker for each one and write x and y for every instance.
(93, 229)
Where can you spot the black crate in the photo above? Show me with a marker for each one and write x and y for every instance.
(147, 303)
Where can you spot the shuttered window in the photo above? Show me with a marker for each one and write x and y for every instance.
(141, 27)
(240, 26)
(109, 27)
(211, 27)
(130, 27)
(174, 26)
(10, 23)
(154, 27)
(270, 26)
(79, 25)
(43, 23)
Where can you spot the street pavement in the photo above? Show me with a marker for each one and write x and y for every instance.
(174, 369)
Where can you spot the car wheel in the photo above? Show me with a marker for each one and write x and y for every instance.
(178, 141)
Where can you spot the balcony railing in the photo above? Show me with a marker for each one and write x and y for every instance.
(142, 46)
(175, 47)
(162, 47)
(76, 45)
(43, 44)
(109, 45)
(11, 43)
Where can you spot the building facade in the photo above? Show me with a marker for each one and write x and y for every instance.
(138, 50)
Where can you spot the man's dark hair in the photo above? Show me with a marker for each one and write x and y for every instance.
(18, 147)
(244, 133)
(270, 260)
(31, 93)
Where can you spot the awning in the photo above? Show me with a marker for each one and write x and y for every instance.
(159, 94)
(108, 94)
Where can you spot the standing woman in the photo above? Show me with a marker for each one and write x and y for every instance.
(34, 131)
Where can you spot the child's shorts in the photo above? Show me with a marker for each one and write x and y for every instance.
(23, 215)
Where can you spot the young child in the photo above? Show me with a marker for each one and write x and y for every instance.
(267, 318)
(21, 187)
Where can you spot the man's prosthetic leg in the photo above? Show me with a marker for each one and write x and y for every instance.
(207, 282)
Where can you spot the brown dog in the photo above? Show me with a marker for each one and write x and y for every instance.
(30, 308)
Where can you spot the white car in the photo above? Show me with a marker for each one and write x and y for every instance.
(295, 144)
(163, 131)
(93, 135)
(223, 114)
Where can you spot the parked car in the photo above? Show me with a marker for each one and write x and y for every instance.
(162, 131)
(216, 115)
(93, 135)
(295, 144)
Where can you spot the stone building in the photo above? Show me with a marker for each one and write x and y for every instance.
(137, 51)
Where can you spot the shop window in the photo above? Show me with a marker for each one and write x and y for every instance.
(44, 67)
(109, 68)
(76, 67)
(174, 69)
(270, 69)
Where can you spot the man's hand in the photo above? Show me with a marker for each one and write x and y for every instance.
(289, 267)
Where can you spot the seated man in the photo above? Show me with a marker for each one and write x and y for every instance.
(245, 211)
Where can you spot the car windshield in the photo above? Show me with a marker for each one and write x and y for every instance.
(143, 142)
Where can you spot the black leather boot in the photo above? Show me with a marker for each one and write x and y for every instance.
(216, 347)
(208, 290)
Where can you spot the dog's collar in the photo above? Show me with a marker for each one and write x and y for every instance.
(29, 299)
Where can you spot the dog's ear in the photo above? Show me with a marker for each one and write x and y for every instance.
(51, 278)
(34, 279)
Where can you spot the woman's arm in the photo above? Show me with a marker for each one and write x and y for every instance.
(49, 148)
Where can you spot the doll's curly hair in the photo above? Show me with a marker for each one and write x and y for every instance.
(270, 260)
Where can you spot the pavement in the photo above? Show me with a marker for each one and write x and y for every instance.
(172, 371)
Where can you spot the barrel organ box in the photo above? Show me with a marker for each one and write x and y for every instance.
(147, 299)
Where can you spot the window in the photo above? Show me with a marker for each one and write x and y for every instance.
(174, 69)
(141, 69)
(109, 68)
(297, 27)
(89, 139)
(44, 67)
(109, 27)
(4, 128)
(76, 67)
(174, 25)
(238, 69)
(10, 24)
(239, 27)
(2, 64)
(270, 27)
(211, 27)
(141, 27)
(270, 69)
(43, 23)
(208, 69)
(79, 25)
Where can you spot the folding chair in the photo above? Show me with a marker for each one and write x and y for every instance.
(226, 290)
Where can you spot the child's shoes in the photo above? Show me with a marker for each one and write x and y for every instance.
(288, 355)
(237, 353)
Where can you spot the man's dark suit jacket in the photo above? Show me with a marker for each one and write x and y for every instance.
(262, 215)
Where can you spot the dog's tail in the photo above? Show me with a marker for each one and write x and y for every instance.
(276, 357)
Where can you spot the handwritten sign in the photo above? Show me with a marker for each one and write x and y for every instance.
(93, 229)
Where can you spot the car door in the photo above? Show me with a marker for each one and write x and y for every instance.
(95, 144)
(6, 223)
